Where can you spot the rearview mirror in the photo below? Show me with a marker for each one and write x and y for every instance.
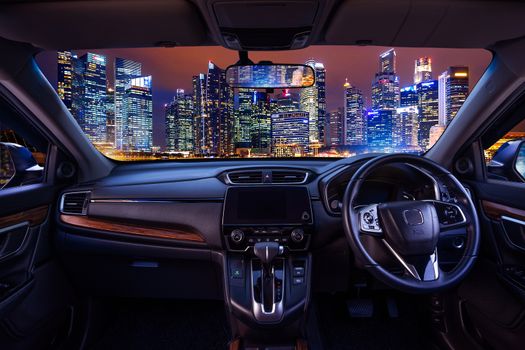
(270, 76)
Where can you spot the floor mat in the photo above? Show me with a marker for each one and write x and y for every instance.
(340, 331)
(159, 325)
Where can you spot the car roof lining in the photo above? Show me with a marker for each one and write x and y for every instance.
(96, 24)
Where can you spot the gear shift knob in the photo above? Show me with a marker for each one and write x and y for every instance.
(267, 251)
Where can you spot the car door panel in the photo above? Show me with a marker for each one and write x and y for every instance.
(492, 302)
(35, 297)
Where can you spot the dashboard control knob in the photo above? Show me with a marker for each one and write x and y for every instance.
(297, 235)
(237, 235)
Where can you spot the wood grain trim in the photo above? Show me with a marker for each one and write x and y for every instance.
(496, 211)
(35, 216)
(131, 229)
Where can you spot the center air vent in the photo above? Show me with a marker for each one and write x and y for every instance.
(246, 177)
(75, 203)
(267, 176)
(288, 176)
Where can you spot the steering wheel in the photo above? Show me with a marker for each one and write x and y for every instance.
(409, 230)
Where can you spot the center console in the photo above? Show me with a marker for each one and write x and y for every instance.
(267, 231)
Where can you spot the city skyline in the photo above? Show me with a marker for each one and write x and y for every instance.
(171, 68)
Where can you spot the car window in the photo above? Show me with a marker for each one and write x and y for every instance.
(505, 159)
(176, 103)
(22, 152)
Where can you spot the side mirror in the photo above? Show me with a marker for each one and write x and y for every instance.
(508, 162)
(18, 166)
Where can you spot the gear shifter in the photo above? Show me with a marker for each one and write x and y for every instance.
(266, 252)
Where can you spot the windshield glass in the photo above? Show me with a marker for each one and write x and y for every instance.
(175, 103)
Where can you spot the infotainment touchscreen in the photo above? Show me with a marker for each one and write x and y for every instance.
(267, 206)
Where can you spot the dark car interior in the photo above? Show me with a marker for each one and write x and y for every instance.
(373, 251)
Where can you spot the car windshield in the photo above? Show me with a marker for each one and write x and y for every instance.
(175, 103)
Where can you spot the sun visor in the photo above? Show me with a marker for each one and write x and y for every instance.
(102, 24)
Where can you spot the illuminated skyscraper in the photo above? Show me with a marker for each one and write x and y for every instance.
(65, 77)
(456, 91)
(385, 88)
(290, 134)
(243, 117)
(219, 109)
(260, 130)
(110, 116)
(354, 122)
(387, 61)
(335, 127)
(202, 127)
(380, 129)
(125, 70)
(88, 95)
(405, 125)
(137, 108)
(428, 110)
(313, 101)
(442, 98)
(422, 69)
(179, 123)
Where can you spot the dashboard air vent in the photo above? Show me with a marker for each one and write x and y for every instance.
(74, 203)
(288, 176)
(246, 177)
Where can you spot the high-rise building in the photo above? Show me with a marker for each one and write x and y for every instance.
(335, 127)
(442, 98)
(88, 95)
(428, 107)
(137, 108)
(408, 96)
(125, 70)
(261, 123)
(385, 88)
(422, 69)
(387, 61)
(179, 123)
(456, 91)
(405, 126)
(354, 122)
(244, 110)
(379, 128)
(202, 126)
(110, 116)
(287, 101)
(313, 101)
(65, 77)
(290, 134)
(219, 109)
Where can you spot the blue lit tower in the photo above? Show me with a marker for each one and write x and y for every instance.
(125, 70)
(290, 133)
(89, 95)
(405, 128)
(385, 101)
(138, 110)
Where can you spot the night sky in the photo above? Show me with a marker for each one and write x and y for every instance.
(173, 68)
